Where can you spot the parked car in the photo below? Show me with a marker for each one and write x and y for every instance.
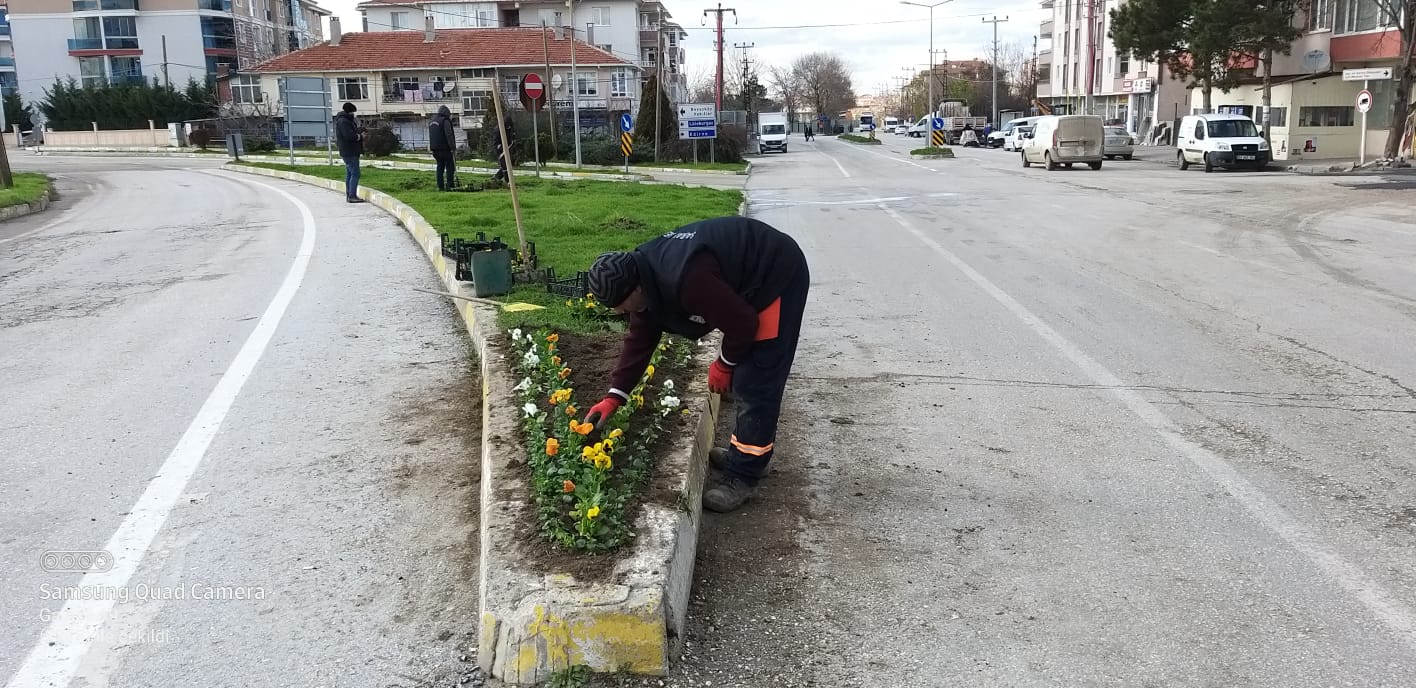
(1119, 143)
(901, 129)
(1009, 136)
(1221, 141)
(1063, 140)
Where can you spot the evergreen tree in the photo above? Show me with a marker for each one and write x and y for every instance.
(647, 121)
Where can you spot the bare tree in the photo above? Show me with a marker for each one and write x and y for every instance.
(825, 82)
(783, 85)
(1402, 13)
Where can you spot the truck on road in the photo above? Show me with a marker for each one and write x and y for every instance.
(771, 132)
(957, 118)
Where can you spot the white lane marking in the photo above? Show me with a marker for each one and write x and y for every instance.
(32, 232)
(864, 201)
(844, 173)
(888, 157)
(1222, 254)
(1397, 616)
(56, 657)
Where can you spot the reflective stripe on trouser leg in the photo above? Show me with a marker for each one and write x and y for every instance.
(758, 384)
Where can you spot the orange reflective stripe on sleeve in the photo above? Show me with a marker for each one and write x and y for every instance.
(751, 449)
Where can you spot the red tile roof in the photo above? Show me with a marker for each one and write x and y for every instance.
(450, 49)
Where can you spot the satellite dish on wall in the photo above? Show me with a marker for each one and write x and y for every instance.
(1316, 61)
(556, 81)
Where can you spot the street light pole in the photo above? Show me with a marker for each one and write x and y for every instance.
(933, 106)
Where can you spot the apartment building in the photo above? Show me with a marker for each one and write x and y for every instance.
(1313, 110)
(403, 77)
(1080, 71)
(636, 31)
(112, 41)
(9, 82)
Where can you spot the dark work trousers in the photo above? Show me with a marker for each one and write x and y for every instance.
(447, 170)
(758, 384)
(501, 174)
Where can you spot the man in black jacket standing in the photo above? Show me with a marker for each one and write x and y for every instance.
(351, 145)
(733, 274)
(442, 141)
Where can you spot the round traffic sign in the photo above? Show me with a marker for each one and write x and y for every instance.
(1364, 101)
(534, 86)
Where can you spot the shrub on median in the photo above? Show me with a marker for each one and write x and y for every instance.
(940, 152)
(859, 139)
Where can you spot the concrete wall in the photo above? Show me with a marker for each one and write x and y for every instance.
(186, 56)
(121, 137)
(40, 43)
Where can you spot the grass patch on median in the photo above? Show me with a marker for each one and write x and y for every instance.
(29, 187)
(571, 222)
(941, 152)
(859, 139)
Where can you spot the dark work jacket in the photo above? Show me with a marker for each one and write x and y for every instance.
(758, 262)
(441, 137)
(346, 135)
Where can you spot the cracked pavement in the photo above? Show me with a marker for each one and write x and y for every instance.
(1134, 427)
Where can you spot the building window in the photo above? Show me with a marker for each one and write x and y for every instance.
(647, 54)
(1326, 116)
(246, 88)
(1320, 15)
(619, 83)
(486, 18)
(1123, 64)
(91, 72)
(398, 21)
(600, 16)
(352, 89)
(1278, 117)
(476, 73)
(120, 33)
(1359, 15)
(219, 33)
(476, 102)
(607, 48)
(511, 88)
(586, 84)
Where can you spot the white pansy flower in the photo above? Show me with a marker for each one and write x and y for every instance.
(669, 402)
(525, 385)
(530, 409)
(516, 334)
(668, 384)
(531, 338)
(531, 358)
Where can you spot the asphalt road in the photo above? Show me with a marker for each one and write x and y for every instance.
(227, 384)
(1131, 427)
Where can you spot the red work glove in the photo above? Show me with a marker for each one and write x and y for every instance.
(720, 377)
(601, 412)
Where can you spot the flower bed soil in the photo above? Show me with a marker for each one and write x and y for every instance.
(593, 358)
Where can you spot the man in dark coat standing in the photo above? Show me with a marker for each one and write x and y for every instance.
(442, 141)
(503, 158)
(350, 141)
(733, 274)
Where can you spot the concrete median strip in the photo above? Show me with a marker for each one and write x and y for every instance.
(535, 621)
(23, 209)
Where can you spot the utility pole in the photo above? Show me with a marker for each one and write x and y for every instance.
(995, 21)
(574, 83)
(1032, 78)
(658, 81)
(719, 12)
(550, 92)
(166, 80)
(746, 72)
(904, 107)
(933, 104)
(934, 76)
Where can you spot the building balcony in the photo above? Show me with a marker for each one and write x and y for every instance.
(96, 5)
(393, 95)
(85, 44)
(1044, 56)
(123, 78)
(219, 42)
(214, 5)
(1045, 31)
(7, 63)
(648, 64)
(4, 31)
(116, 43)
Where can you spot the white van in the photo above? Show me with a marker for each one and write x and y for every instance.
(1221, 141)
(1062, 140)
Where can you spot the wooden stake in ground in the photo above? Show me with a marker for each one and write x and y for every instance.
(510, 168)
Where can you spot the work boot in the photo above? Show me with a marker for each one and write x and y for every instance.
(728, 494)
(718, 459)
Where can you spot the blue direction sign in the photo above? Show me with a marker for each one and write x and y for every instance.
(937, 123)
(698, 121)
(698, 134)
(699, 124)
(626, 122)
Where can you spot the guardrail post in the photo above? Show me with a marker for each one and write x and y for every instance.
(95, 133)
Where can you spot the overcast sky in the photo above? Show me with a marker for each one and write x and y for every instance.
(881, 37)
